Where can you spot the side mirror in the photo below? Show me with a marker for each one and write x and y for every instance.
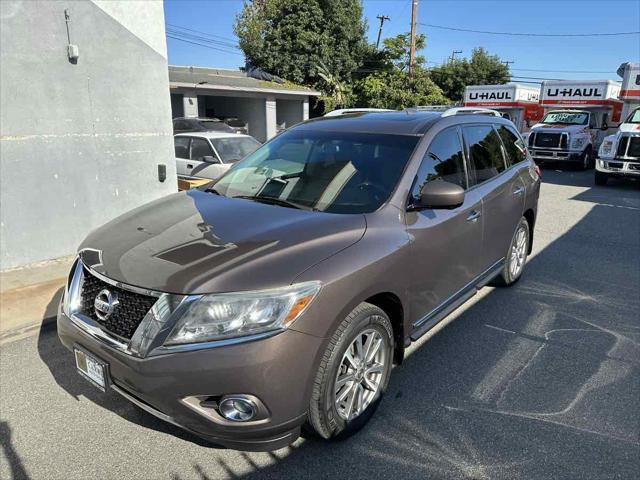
(605, 126)
(439, 194)
(210, 159)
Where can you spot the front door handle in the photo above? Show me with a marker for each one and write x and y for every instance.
(473, 216)
(519, 190)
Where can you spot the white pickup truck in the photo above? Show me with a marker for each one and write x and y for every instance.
(577, 118)
(619, 154)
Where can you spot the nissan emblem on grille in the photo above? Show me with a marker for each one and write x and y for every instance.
(104, 304)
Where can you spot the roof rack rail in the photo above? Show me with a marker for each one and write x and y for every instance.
(471, 111)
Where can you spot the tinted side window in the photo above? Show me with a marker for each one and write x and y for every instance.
(513, 145)
(181, 147)
(200, 148)
(485, 150)
(180, 126)
(443, 161)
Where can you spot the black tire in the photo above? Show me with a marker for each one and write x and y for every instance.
(585, 159)
(506, 277)
(324, 418)
(601, 178)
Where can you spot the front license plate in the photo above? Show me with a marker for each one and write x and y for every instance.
(91, 368)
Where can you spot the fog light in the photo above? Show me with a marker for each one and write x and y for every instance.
(237, 409)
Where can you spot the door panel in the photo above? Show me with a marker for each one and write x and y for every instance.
(181, 145)
(445, 243)
(198, 167)
(446, 246)
(501, 189)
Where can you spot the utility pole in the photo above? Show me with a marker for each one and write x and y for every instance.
(508, 62)
(412, 51)
(453, 55)
(382, 18)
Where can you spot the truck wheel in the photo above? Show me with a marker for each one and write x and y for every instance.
(601, 178)
(353, 374)
(585, 159)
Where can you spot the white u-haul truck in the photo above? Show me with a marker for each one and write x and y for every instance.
(577, 117)
(619, 154)
(518, 103)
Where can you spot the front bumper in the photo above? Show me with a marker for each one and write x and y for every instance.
(278, 370)
(618, 167)
(548, 155)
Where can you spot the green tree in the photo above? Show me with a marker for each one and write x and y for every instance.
(482, 69)
(396, 90)
(293, 38)
(389, 84)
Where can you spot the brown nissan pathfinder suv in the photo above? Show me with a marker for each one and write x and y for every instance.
(282, 294)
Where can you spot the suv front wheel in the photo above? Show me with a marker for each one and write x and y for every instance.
(353, 373)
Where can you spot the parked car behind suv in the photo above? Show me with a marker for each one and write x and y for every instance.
(210, 154)
(184, 124)
(283, 293)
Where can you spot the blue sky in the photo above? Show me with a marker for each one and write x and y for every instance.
(559, 57)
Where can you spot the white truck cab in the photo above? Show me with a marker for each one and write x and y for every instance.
(578, 115)
(515, 102)
(619, 154)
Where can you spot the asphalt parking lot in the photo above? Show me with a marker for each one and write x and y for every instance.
(541, 380)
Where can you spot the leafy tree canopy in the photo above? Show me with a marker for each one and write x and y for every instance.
(296, 39)
(481, 69)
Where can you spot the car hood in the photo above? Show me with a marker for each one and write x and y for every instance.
(198, 242)
(630, 127)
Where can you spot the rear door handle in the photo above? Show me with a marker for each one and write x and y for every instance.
(473, 216)
(519, 190)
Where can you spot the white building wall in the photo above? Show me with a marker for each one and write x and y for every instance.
(79, 143)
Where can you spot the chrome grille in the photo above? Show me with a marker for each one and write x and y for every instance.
(127, 314)
(547, 140)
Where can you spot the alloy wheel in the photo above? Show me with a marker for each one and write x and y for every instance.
(360, 374)
(518, 252)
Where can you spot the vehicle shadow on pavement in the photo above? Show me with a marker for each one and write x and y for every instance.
(540, 380)
(18, 472)
(568, 175)
(61, 364)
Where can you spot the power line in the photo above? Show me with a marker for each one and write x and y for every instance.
(558, 71)
(200, 32)
(204, 45)
(518, 34)
(198, 38)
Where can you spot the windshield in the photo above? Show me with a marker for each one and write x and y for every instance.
(567, 118)
(233, 149)
(338, 172)
(634, 117)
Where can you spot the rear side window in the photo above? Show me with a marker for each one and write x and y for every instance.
(182, 147)
(200, 148)
(513, 145)
(485, 151)
(443, 161)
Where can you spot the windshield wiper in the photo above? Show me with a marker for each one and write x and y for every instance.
(275, 201)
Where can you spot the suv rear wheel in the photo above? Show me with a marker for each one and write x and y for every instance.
(353, 373)
(516, 256)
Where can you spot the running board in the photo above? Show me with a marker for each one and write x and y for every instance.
(426, 323)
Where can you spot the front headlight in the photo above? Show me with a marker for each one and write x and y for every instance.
(227, 315)
(578, 142)
(606, 148)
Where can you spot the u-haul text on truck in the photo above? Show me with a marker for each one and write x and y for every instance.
(577, 116)
(518, 103)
